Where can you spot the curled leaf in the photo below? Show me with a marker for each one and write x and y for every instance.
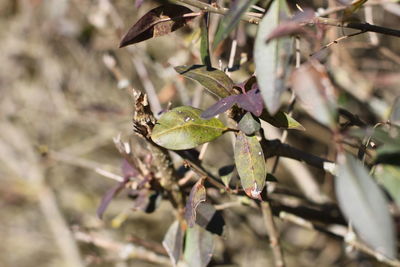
(250, 164)
(183, 128)
(157, 22)
(214, 80)
(197, 195)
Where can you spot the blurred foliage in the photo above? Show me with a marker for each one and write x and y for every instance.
(63, 101)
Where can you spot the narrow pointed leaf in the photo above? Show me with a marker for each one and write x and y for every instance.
(157, 22)
(204, 44)
(230, 20)
(109, 195)
(183, 128)
(214, 80)
(173, 242)
(226, 173)
(199, 246)
(315, 92)
(389, 177)
(365, 206)
(221, 106)
(271, 59)
(197, 195)
(282, 120)
(250, 164)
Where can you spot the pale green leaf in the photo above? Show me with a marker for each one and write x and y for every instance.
(250, 164)
(271, 59)
(365, 206)
(199, 246)
(183, 128)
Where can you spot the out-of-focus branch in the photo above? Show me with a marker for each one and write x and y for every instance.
(124, 251)
(273, 234)
(342, 232)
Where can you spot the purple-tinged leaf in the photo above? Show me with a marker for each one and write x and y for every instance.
(109, 195)
(210, 218)
(293, 25)
(173, 242)
(197, 195)
(199, 246)
(128, 170)
(251, 101)
(315, 92)
(157, 22)
(138, 3)
(221, 106)
(250, 164)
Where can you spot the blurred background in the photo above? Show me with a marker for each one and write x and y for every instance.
(65, 94)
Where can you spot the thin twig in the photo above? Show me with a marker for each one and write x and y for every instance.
(340, 231)
(124, 251)
(273, 234)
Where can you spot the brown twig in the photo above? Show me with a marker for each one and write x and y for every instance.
(273, 234)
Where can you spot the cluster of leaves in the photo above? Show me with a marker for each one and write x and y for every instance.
(260, 99)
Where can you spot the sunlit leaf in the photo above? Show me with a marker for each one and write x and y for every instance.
(365, 206)
(230, 20)
(282, 120)
(226, 173)
(199, 246)
(395, 113)
(271, 59)
(197, 195)
(250, 164)
(214, 80)
(315, 92)
(389, 177)
(173, 242)
(248, 124)
(157, 22)
(183, 128)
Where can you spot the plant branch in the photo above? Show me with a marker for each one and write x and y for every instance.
(273, 234)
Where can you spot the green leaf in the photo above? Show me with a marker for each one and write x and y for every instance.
(230, 20)
(271, 59)
(282, 120)
(173, 242)
(248, 124)
(183, 128)
(365, 206)
(226, 173)
(215, 81)
(389, 177)
(250, 164)
(199, 245)
(204, 43)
